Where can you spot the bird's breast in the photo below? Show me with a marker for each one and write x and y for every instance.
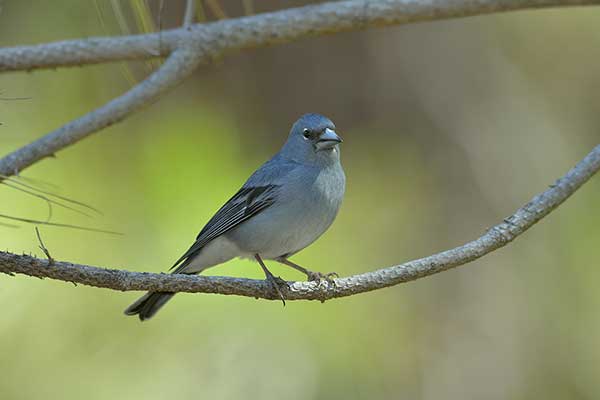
(303, 211)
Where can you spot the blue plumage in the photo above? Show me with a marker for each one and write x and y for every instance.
(283, 207)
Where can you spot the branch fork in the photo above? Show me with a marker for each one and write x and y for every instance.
(188, 47)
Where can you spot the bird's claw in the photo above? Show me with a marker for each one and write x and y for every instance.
(277, 284)
(319, 277)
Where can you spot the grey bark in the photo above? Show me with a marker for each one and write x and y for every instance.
(260, 30)
(191, 45)
(496, 237)
(177, 67)
(199, 43)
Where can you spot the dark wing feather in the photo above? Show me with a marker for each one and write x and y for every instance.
(246, 203)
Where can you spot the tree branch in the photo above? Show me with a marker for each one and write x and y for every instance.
(259, 30)
(176, 68)
(194, 44)
(496, 237)
(190, 13)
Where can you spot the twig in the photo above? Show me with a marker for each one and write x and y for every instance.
(42, 191)
(496, 237)
(215, 7)
(248, 7)
(190, 13)
(174, 70)
(45, 198)
(44, 249)
(38, 222)
(14, 98)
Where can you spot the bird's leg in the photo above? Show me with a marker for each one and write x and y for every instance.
(276, 282)
(311, 275)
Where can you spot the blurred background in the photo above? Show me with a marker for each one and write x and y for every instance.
(448, 127)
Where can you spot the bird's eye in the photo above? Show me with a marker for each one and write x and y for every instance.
(306, 133)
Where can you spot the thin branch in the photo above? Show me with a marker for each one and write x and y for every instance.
(42, 191)
(259, 30)
(248, 7)
(215, 7)
(34, 181)
(190, 13)
(496, 237)
(175, 69)
(14, 98)
(180, 64)
(43, 247)
(48, 200)
(57, 224)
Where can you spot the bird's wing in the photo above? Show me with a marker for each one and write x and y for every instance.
(247, 202)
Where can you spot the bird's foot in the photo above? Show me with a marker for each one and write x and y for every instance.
(319, 277)
(278, 285)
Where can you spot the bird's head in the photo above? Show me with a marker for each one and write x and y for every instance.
(312, 139)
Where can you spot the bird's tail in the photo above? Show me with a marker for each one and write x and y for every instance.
(147, 305)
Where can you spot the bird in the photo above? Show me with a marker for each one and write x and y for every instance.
(283, 207)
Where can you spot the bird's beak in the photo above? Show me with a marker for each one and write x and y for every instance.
(328, 140)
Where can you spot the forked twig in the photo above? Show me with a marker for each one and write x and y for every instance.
(43, 247)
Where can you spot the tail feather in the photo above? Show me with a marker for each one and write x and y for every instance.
(147, 305)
